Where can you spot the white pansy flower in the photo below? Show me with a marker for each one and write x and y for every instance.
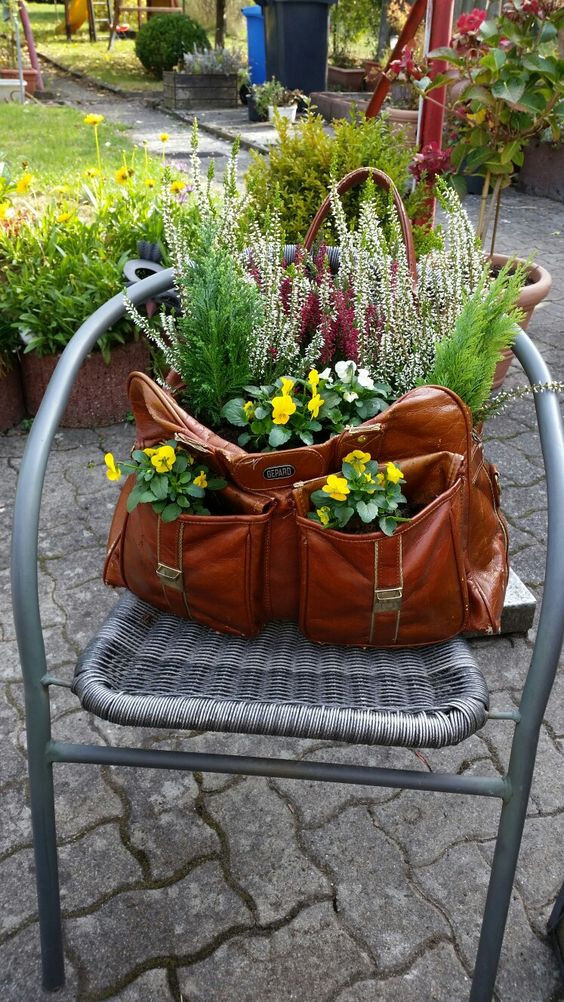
(345, 371)
(365, 379)
(326, 374)
(349, 396)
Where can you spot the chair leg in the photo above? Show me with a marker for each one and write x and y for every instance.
(46, 867)
(507, 848)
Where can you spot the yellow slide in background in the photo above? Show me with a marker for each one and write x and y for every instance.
(78, 13)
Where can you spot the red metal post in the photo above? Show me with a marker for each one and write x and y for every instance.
(416, 15)
(438, 35)
(24, 17)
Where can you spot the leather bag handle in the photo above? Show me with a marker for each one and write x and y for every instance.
(352, 180)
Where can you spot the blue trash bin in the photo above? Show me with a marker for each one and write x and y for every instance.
(256, 50)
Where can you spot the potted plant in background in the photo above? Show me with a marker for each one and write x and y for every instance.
(204, 79)
(506, 88)
(8, 53)
(272, 98)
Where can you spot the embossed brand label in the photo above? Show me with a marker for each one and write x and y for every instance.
(278, 472)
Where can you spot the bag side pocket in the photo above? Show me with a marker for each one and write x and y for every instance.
(373, 590)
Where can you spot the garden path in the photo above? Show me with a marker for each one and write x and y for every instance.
(218, 889)
(144, 121)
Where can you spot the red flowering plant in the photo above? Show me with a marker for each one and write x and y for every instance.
(506, 87)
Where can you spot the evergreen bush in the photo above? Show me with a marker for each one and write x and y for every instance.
(163, 40)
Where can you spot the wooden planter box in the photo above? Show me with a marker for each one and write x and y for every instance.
(188, 91)
(347, 78)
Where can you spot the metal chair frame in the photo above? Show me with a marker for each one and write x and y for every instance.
(513, 789)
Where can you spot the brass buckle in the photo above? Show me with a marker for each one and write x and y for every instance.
(170, 576)
(387, 599)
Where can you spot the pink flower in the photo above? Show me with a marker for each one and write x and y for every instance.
(430, 162)
(469, 24)
(406, 65)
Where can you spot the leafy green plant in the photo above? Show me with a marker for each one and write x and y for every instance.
(273, 93)
(506, 85)
(293, 411)
(167, 478)
(297, 172)
(361, 496)
(162, 41)
(466, 358)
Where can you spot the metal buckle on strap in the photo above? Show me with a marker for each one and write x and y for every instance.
(170, 576)
(387, 599)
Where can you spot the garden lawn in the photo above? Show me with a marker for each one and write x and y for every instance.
(55, 144)
(119, 67)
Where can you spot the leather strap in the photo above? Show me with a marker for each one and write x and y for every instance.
(388, 590)
(352, 180)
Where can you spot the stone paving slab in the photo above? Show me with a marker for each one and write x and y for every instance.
(226, 889)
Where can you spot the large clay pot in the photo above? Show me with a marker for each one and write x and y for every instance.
(531, 296)
(29, 75)
(99, 395)
(12, 408)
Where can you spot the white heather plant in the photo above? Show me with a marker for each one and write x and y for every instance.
(248, 318)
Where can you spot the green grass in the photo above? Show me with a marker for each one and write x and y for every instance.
(56, 144)
(119, 67)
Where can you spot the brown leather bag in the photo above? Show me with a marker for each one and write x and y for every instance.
(444, 572)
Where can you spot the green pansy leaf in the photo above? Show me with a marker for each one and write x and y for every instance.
(135, 496)
(158, 506)
(261, 413)
(343, 515)
(306, 437)
(195, 492)
(319, 498)
(182, 501)
(159, 487)
(367, 511)
(181, 463)
(244, 438)
(387, 525)
(171, 512)
(253, 391)
(234, 413)
(217, 484)
(279, 436)
(139, 456)
(147, 497)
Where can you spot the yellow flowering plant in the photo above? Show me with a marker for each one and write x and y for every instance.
(168, 478)
(360, 495)
(294, 411)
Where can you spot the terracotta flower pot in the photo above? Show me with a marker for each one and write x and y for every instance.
(531, 296)
(29, 75)
(99, 395)
(12, 408)
(404, 120)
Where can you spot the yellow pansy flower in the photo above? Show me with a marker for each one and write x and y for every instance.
(177, 186)
(393, 473)
(164, 137)
(164, 458)
(249, 409)
(287, 386)
(380, 478)
(149, 182)
(113, 471)
(201, 480)
(64, 217)
(282, 408)
(323, 514)
(358, 460)
(6, 210)
(313, 380)
(315, 404)
(123, 175)
(24, 183)
(336, 487)
(92, 119)
(150, 452)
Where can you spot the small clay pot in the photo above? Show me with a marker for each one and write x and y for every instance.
(12, 408)
(531, 296)
(99, 395)
(29, 75)
(346, 77)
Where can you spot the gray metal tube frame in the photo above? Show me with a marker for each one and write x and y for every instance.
(513, 789)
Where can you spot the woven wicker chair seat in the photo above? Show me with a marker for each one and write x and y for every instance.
(149, 669)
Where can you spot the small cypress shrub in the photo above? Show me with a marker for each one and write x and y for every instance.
(163, 40)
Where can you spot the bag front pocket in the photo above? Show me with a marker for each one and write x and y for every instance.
(203, 567)
(373, 590)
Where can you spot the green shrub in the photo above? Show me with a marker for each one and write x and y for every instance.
(297, 171)
(162, 41)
